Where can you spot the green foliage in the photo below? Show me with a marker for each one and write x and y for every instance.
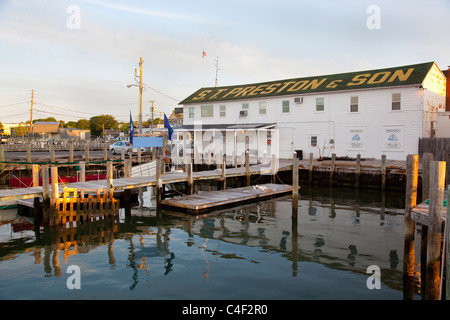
(49, 119)
(70, 124)
(21, 130)
(102, 122)
(84, 124)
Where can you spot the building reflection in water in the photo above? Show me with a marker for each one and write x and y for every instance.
(330, 231)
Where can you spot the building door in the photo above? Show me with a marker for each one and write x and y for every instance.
(313, 145)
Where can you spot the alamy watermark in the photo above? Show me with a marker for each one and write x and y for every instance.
(74, 280)
(373, 22)
(374, 281)
(73, 21)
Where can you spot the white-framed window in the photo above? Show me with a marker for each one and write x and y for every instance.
(262, 108)
(313, 141)
(320, 104)
(285, 105)
(207, 111)
(396, 101)
(354, 104)
(245, 106)
(223, 111)
(191, 113)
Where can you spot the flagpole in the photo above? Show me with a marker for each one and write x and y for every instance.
(203, 68)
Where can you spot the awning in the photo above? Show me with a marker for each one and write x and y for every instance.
(234, 126)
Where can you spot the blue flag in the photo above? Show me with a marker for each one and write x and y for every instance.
(131, 129)
(168, 126)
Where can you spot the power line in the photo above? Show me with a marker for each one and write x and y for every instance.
(162, 93)
(13, 104)
(13, 115)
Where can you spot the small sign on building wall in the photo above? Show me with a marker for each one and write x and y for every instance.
(356, 138)
(393, 138)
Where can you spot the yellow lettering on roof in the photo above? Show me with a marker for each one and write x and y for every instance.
(219, 91)
(384, 74)
(202, 95)
(285, 84)
(245, 91)
(258, 89)
(298, 85)
(234, 91)
(271, 88)
(401, 75)
(333, 84)
(359, 79)
(314, 84)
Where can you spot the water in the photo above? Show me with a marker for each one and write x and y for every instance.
(248, 252)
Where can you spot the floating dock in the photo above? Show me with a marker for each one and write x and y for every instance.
(204, 201)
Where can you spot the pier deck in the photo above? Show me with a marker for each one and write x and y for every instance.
(146, 181)
(213, 199)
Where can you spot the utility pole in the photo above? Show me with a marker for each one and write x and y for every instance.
(31, 113)
(152, 111)
(140, 96)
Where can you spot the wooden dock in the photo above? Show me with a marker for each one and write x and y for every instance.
(204, 201)
(430, 216)
(147, 181)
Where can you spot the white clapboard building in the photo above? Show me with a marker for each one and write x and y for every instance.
(371, 113)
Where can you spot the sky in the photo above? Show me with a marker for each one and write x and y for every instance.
(78, 56)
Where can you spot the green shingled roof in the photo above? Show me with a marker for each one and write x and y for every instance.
(397, 76)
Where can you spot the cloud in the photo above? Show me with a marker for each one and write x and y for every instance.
(127, 8)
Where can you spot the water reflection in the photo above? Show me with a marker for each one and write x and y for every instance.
(340, 230)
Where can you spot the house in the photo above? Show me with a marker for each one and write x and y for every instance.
(75, 134)
(47, 130)
(176, 118)
(373, 112)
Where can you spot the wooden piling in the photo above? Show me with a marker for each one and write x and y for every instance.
(82, 165)
(447, 250)
(427, 158)
(52, 152)
(105, 152)
(311, 160)
(358, 170)
(127, 168)
(426, 162)
(55, 190)
(86, 152)
(224, 172)
(71, 152)
(109, 174)
(35, 175)
(190, 180)
(412, 169)
(295, 164)
(274, 168)
(29, 156)
(158, 186)
(45, 194)
(2, 158)
(437, 181)
(332, 166)
(247, 167)
(383, 172)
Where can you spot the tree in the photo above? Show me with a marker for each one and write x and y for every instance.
(125, 127)
(21, 130)
(49, 119)
(70, 124)
(83, 124)
(102, 122)
(2, 128)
